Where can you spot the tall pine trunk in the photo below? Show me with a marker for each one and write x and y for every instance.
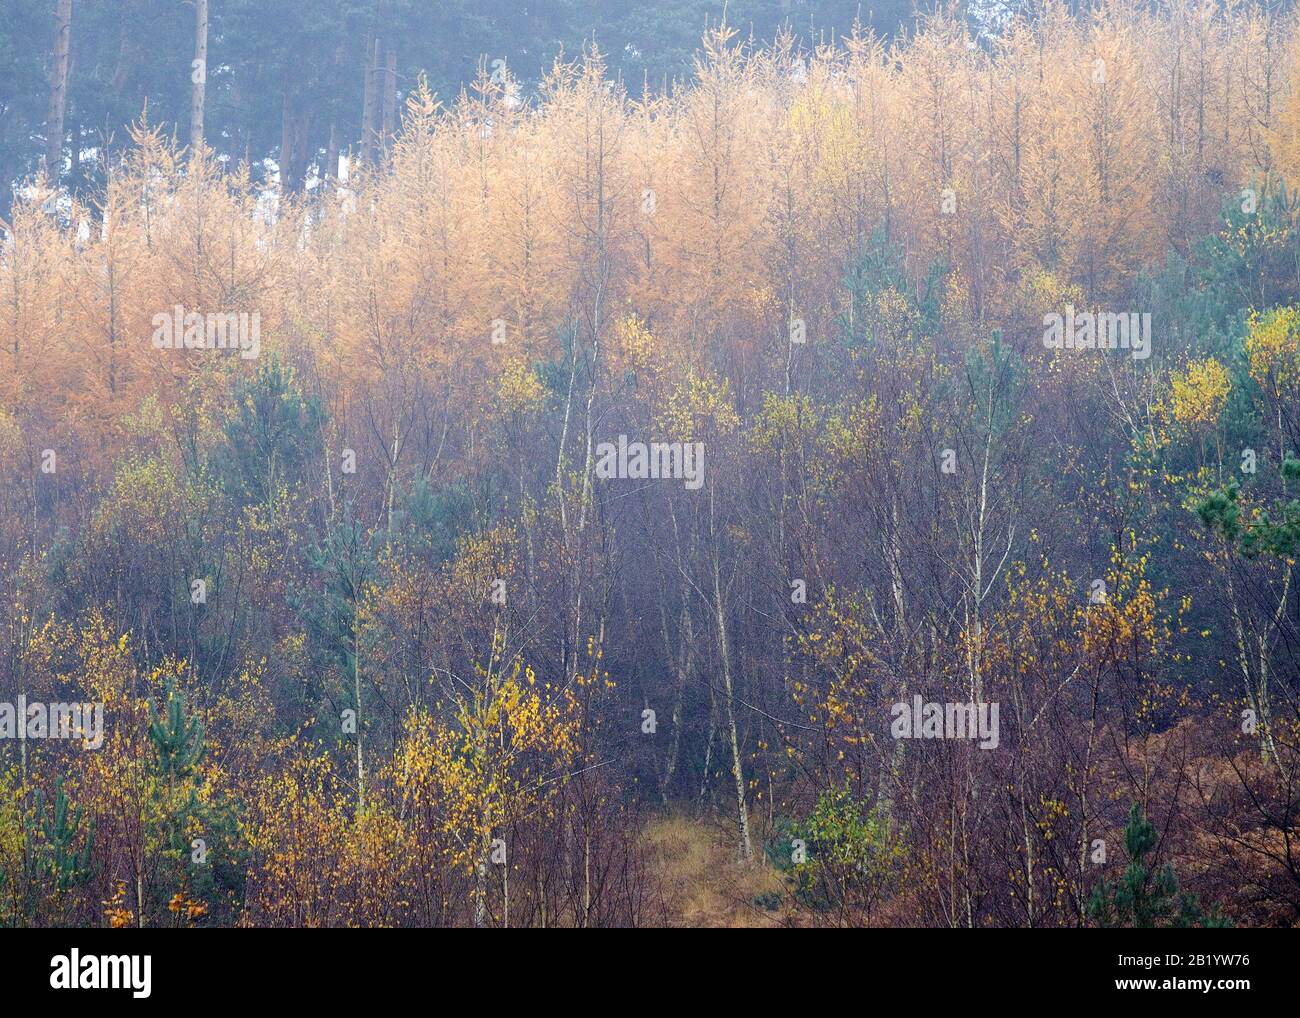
(199, 72)
(369, 103)
(58, 89)
(389, 105)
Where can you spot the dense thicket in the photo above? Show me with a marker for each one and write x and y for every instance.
(413, 685)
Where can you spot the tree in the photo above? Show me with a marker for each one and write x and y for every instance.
(198, 72)
(1144, 898)
(59, 92)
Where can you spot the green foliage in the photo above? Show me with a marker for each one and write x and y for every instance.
(58, 859)
(45, 851)
(879, 272)
(272, 431)
(994, 377)
(1220, 511)
(178, 741)
(182, 806)
(1276, 533)
(16, 863)
(1143, 898)
(430, 522)
(850, 851)
(341, 567)
(1251, 261)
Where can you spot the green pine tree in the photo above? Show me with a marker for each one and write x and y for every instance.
(178, 742)
(1145, 899)
(59, 860)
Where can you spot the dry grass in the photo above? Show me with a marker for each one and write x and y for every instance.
(701, 879)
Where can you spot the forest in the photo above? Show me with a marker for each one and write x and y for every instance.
(825, 479)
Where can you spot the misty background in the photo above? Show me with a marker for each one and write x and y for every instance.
(293, 76)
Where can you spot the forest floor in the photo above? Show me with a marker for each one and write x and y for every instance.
(702, 883)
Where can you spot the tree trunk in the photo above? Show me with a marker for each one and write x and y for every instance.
(368, 104)
(199, 72)
(737, 770)
(294, 130)
(481, 871)
(58, 89)
(331, 171)
(389, 104)
(332, 154)
(356, 692)
(683, 661)
(286, 144)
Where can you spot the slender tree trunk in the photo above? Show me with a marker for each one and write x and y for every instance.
(58, 89)
(708, 743)
(480, 882)
(586, 880)
(392, 474)
(684, 662)
(389, 105)
(332, 154)
(199, 72)
(368, 103)
(737, 770)
(356, 692)
(301, 146)
(331, 171)
(286, 144)
(123, 67)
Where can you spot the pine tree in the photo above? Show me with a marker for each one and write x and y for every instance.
(177, 740)
(1143, 898)
(60, 861)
